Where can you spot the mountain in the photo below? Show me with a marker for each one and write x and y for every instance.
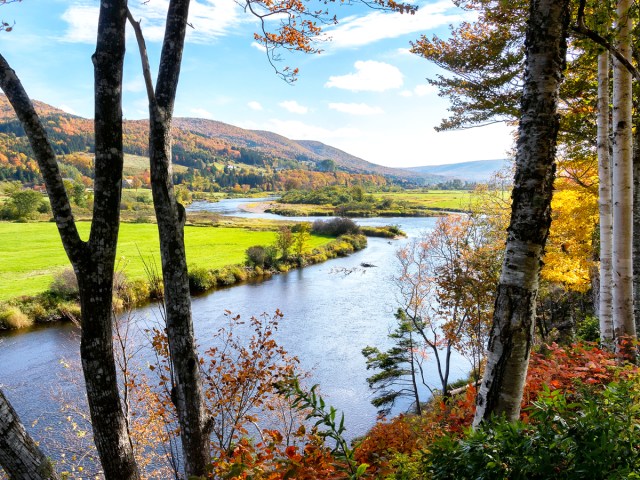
(476, 171)
(301, 150)
(198, 143)
(355, 164)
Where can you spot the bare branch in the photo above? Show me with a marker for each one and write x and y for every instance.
(144, 58)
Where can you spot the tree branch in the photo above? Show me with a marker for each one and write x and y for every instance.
(144, 58)
(582, 28)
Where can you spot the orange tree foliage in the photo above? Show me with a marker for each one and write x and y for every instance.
(555, 368)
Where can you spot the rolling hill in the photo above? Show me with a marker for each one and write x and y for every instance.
(198, 143)
(476, 171)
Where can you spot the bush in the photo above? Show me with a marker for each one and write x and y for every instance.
(12, 317)
(588, 329)
(334, 227)
(65, 284)
(133, 292)
(594, 434)
(201, 280)
(256, 256)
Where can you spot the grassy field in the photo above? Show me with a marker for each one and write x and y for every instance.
(136, 164)
(31, 253)
(455, 199)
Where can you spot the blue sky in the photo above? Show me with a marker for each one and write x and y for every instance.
(365, 94)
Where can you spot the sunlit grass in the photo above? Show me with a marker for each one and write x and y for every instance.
(31, 253)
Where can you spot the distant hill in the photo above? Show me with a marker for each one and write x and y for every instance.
(476, 171)
(300, 150)
(355, 164)
(198, 143)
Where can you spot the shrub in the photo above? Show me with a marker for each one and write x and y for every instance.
(256, 256)
(225, 277)
(588, 329)
(132, 292)
(70, 311)
(201, 280)
(334, 227)
(65, 284)
(592, 435)
(12, 317)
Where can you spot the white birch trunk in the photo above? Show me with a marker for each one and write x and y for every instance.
(622, 274)
(514, 314)
(606, 219)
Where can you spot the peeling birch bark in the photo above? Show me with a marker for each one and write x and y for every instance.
(511, 334)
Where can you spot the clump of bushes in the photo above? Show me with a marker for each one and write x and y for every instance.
(11, 317)
(388, 231)
(261, 256)
(65, 284)
(592, 434)
(201, 279)
(335, 227)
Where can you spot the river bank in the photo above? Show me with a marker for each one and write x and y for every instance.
(332, 310)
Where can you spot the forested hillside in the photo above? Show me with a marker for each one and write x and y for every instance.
(223, 154)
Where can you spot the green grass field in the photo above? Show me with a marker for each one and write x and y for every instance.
(136, 164)
(456, 199)
(31, 253)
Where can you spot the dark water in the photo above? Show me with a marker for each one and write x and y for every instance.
(329, 316)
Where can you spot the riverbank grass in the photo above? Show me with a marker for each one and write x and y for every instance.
(31, 254)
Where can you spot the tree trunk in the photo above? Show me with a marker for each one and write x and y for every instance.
(636, 219)
(187, 392)
(93, 261)
(622, 273)
(20, 457)
(514, 315)
(606, 220)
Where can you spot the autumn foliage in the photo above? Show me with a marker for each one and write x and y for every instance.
(553, 368)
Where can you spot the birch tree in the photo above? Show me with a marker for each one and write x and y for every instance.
(514, 314)
(622, 267)
(605, 308)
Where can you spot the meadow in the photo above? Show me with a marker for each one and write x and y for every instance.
(31, 253)
(437, 199)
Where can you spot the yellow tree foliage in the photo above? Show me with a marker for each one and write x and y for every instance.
(569, 254)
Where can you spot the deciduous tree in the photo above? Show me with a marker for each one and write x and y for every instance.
(514, 315)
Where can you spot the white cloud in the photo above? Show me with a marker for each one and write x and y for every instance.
(420, 90)
(83, 23)
(293, 107)
(358, 31)
(253, 105)
(201, 113)
(425, 89)
(210, 19)
(259, 46)
(370, 76)
(355, 108)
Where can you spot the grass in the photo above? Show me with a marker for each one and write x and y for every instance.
(454, 199)
(136, 164)
(31, 253)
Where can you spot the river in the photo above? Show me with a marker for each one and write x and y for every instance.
(329, 316)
